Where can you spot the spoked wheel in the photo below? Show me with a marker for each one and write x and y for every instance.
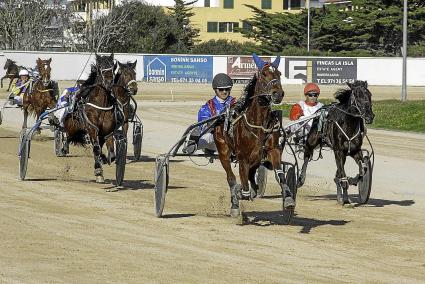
(261, 178)
(291, 181)
(365, 183)
(137, 140)
(161, 184)
(60, 144)
(24, 152)
(121, 155)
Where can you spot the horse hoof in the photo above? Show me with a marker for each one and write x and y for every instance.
(347, 204)
(100, 179)
(289, 203)
(235, 212)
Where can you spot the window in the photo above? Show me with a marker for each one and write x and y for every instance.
(266, 4)
(206, 3)
(246, 26)
(212, 27)
(295, 4)
(227, 27)
(228, 4)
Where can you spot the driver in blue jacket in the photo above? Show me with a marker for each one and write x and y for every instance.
(222, 85)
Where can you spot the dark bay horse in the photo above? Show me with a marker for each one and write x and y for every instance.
(42, 93)
(12, 72)
(255, 139)
(343, 131)
(95, 114)
(125, 86)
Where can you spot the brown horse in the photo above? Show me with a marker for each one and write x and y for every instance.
(255, 139)
(96, 112)
(12, 72)
(41, 94)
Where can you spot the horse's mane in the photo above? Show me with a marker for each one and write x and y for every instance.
(249, 90)
(343, 95)
(92, 77)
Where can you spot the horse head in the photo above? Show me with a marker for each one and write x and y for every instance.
(268, 78)
(361, 100)
(8, 63)
(44, 70)
(127, 77)
(105, 70)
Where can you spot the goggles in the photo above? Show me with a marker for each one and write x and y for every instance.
(224, 89)
(313, 95)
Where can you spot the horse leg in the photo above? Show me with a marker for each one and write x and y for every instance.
(341, 179)
(97, 152)
(358, 157)
(111, 150)
(244, 168)
(224, 156)
(252, 181)
(275, 157)
(5, 76)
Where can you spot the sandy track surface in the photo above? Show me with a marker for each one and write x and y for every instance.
(59, 226)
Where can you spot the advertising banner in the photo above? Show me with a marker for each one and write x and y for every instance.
(242, 67)
(178, 69)
(322, 70)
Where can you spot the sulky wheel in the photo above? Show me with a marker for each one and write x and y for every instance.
(121, 155)
(24, 152)
(161, 184)
(291, 181)
(137, 140)
(365, 183)
(261, 179)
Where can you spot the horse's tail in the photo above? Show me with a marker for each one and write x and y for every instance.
(78, 138)
(31, 110)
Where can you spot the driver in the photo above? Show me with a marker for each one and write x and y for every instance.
(222, 85)
(307, 107)
(20, 88)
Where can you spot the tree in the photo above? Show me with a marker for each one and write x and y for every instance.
(187, 37)
(150, 30)
(27, 24)
(224, 46)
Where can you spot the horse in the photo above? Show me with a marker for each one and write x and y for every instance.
(12, 72)
(96, 112)
(125, 86)
(42, 94)
(256, 137)
(343, 131)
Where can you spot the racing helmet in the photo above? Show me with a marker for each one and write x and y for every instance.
(222, 81)
(23, 72)
(311, 88)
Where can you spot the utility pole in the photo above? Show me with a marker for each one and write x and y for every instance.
(404, 53)
(308, 25)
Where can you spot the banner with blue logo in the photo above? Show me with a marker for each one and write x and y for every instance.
(178, 68)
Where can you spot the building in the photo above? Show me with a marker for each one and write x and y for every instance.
(216, 19)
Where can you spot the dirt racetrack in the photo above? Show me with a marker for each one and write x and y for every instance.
(59, 226)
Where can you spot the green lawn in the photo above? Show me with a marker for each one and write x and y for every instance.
(393, 115)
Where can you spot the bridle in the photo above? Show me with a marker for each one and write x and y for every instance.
(354, 104)
(45, 74)
(266, 87)
(102, 71)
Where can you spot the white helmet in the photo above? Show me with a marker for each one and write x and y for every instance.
(24, 72)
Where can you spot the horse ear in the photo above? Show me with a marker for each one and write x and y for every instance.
(276, 62)
(260, 63)
(111, 56)
(50, 60)
(133, 65)
(366, 85)
(350, 85)
(38, 60)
